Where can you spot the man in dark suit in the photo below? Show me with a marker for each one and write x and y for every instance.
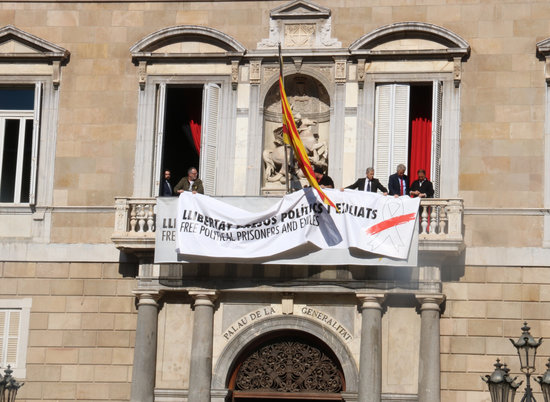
(422, 187)
(166, 186)
(369, 183)
(398, 182)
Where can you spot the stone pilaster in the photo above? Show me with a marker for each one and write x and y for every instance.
(145, 352)
(370, 358)
(429, 383)
(200, 375)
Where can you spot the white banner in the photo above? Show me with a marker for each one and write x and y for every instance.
(366, 221)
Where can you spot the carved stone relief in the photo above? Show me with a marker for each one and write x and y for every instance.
(289, 366)
(303, 25)
(299, 35)
(310, 105)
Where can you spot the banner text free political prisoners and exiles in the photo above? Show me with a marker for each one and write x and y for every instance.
(299, 223)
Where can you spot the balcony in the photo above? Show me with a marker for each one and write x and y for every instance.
(440, 228)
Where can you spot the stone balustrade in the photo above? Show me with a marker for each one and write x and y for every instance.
(440, 224)
(134, 223)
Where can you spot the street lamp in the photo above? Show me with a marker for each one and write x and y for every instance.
(544, 382)
(527, 351)
(8, 386)
(501, 386)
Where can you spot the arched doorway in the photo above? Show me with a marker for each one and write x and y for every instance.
(287, 366)
(310, 103)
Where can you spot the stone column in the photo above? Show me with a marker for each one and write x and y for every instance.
(200, 375)
(145, 351)
(370, 358)
(429, 383)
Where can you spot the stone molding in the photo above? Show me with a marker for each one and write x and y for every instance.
(455, 45)
(288, 322)
(300, 24)
(430, 301)
(43, 50)
(203, 297)
(145, 46)
(371, 300)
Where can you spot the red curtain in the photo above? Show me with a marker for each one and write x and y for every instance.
(196, 132)
(421, 147)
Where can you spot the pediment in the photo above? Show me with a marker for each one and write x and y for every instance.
(543, 48)
(187, 41)
(411, 38)
(300, 9)
(18, 44)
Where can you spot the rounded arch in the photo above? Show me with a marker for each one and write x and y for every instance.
(299, 87)
(411, 29)
(183, 33)
(290, 69)
(240, 342)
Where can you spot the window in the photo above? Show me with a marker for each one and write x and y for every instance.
(187, 125)
(14, 332)
(187, 75)
(408, 129)
(29, 98)
(19, 130)
(409, 76)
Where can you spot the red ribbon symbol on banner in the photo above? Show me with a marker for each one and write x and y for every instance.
(394, 210)
(389, 223)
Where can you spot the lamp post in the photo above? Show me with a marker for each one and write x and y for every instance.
(501, 386)
(527, 352)
(8, 386)
(544, 382)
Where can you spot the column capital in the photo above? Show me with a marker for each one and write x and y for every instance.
(430, 301)
(147, 298)
(371, 300)
(203, 297)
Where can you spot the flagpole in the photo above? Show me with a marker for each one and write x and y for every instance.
(287, 167)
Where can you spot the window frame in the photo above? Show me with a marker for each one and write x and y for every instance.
(24, 306)
(23, 116)
(148, 165)
(449, 131)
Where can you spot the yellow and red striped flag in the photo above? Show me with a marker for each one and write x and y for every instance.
(292, 137)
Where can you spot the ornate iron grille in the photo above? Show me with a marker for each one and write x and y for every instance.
(289, 366)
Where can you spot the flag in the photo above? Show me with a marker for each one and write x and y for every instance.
(291, 137)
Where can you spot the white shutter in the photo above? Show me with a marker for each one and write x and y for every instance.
(13, 337)
(159, 140)
(391, 129)
(3, 321)
(9, 336)
(400, 119)
(209, 134)
(382, 127)
(437, 97)
(35, 138)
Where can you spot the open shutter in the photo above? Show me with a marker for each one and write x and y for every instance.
(13, 337)
(159, 140)
(382, 127)
(209, 140)
(9, 336)
(391, 129)
(437, 98)
(35, 138)
(400, 120)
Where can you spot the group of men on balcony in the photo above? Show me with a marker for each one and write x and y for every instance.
(398, 183)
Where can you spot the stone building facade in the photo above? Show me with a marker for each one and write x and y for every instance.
(98, 98)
